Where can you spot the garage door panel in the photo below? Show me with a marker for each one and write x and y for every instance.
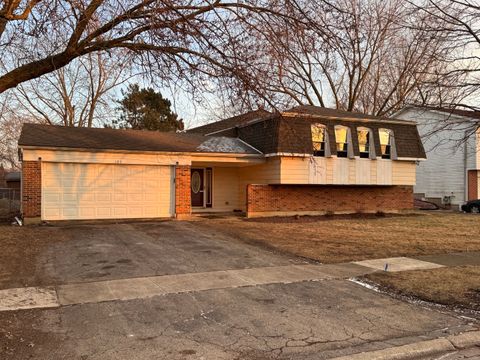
(70, 182)
(104, 197)
(70, 197)
(120, 172)
(70, 212)
(104, 183)
(51, 182)
(88, 212)
(86, 180)
(71, 170)
(104, 212)
(119, 197)
(52, 212)
(135, 211)
(105, 171)
(98, 191)
(52, 197)
(120, 211)
(86, 197)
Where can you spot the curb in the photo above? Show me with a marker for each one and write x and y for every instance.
(421, 349)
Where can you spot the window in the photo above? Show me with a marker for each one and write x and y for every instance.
(342, 139)
(386, 143)
(319, 140)
(364, 142)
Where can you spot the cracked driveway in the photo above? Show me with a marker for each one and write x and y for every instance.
(304, 320)
(119, 251)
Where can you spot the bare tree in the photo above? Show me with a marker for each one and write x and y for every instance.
(79, 94)
(457, 22)
(171, 39)
(368, 56)
(10, 127)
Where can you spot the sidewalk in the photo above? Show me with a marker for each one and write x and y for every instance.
(340, 312)
(145, 287)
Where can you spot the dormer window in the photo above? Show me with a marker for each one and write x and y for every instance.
(364, 141)
(343, 141)
(320, 140)
(386, 143)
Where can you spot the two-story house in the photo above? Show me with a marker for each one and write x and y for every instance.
(451, 138)
(307, 160)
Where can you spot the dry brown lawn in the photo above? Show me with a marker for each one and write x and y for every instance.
(457, 286)
(19, 249)
(349, 238)
(343, 239)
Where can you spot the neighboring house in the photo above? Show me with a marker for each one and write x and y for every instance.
(3, 183)
(451, 175)
(9, 179)
(307, 160)
(12, 180)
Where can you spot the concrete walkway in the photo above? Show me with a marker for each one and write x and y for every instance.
(145, 287)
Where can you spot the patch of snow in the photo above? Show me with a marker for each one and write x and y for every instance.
(365, 284)
(412, 300)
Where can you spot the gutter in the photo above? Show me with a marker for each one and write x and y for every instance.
(346, 118)
(174, 153)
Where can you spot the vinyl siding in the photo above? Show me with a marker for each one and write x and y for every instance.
(294, 170)
(267, 173)
(225, 189)
(341, 171)
(444, 171)
(403, 172)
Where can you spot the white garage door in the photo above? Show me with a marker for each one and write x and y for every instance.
(101, 191)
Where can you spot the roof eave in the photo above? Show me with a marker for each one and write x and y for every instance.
(179, 153)
(346, 118)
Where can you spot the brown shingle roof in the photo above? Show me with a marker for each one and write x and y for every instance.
(289, 132)
(48, 136)
(295, 135)
(230, 122)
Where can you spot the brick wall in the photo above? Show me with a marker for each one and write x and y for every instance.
(265, 200)
(31, 189)
(473, 184)
(183, 201)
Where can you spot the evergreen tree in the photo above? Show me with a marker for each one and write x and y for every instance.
(146, 109)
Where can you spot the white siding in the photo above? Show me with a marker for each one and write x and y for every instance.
(317, 171)
(443, 173)
(363, 172)
(341, 171)
(384, 172)
(226, 187)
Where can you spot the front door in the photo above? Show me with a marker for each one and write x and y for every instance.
(197, 187)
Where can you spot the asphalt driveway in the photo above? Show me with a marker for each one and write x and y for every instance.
(119, 251)
(300, 320)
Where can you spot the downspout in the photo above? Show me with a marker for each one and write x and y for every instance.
(20, 159)
(465, 175)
